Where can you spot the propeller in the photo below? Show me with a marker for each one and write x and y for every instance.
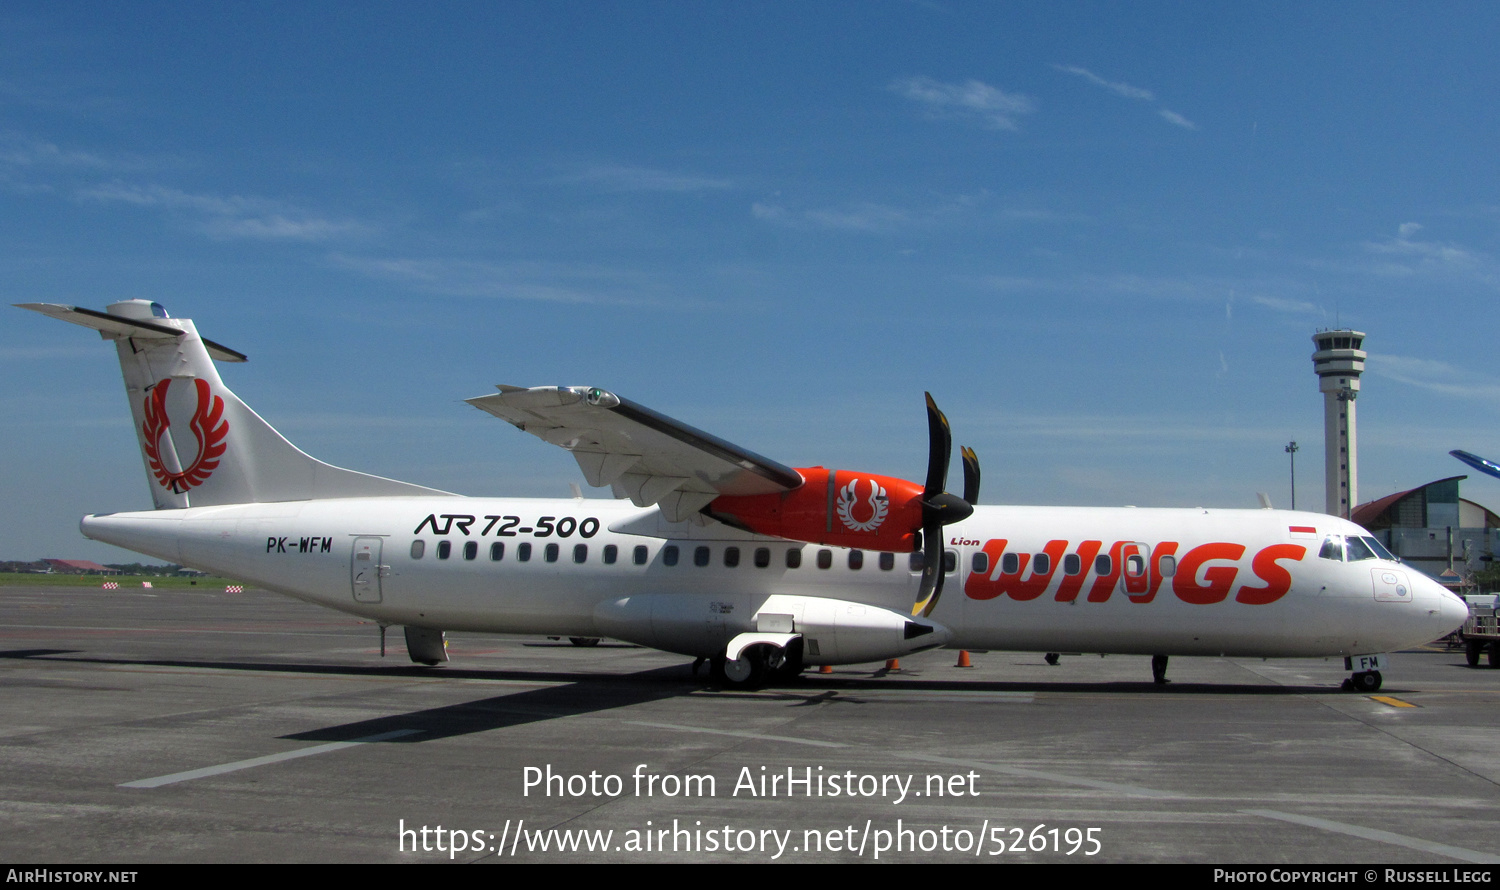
(939, 507)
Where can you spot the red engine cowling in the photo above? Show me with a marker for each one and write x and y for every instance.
(836, 507)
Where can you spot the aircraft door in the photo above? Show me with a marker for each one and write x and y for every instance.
(365, 570)
(1134, 559)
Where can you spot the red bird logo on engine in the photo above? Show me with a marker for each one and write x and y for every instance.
(878, 505)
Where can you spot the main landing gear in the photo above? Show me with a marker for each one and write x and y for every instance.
(758, 666)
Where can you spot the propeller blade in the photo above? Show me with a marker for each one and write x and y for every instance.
(939, 450)
(971, 475)
(931, 587)
(939, 507)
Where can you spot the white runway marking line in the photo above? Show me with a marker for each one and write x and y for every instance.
(1383, 837)
(222, 768)
(738, 734)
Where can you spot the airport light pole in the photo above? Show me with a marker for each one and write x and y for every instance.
(1291, 449)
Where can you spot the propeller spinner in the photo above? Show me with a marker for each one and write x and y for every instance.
(939, 507)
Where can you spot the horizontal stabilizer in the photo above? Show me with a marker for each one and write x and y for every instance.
(114, 327)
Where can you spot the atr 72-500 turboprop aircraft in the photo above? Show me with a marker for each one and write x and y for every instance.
(726, 555)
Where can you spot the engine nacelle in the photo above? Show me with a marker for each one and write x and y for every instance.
(832, 631)
(835, 507)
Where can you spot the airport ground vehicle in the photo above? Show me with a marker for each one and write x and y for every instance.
(1481, 632)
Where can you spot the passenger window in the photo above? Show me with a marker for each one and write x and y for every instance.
(611, 553)
(640, 554)
(731, 557)
(1041, 564)
(669, 555)
(1010, 563)
(917, 561)
(445, 549)
(762, 557)
(1167, 565)
(887, 561)
(471, 549)
(856, 559)
(825, 559)
(1102, 565)
(1135, 566)
(523, 551)
(551, 553)
(1072, 564)
(980, 564)
(950, 562)
(497, 551)
(700, 556)
(580, 553)
(794, 559)
(418, 548)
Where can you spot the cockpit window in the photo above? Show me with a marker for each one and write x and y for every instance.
(1380, 550)
(1354, 548)
(1358, 550)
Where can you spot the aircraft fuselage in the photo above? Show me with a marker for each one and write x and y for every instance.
(1116, 580)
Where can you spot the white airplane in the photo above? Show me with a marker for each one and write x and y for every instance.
(725, 555)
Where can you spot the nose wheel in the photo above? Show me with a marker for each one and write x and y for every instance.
(1365, 681)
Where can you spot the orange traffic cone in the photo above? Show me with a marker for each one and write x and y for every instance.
(893, 665)
(963, 659)
(826, 669)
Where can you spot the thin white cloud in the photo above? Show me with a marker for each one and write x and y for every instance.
(865, 217)
(973, 101)
(1117, 87)
(516, 281)
(1173, 117)
(1434, 376)
(870, 216)
(620, 178)
(1291, 307)
(235, 216)
(36, 153)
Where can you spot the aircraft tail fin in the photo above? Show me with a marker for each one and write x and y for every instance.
(201, 444)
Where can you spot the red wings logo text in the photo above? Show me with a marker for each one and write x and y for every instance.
(208, 427)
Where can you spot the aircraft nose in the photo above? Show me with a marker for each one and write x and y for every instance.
(1454, 610)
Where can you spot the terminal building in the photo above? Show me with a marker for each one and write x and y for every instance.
(1434, 530)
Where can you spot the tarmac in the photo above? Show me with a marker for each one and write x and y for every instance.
(152, 726)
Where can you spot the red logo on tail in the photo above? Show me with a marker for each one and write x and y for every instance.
(208, 427)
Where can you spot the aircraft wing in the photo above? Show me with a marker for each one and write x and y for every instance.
(641, 454)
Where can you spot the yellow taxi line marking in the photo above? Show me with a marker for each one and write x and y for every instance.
(1393, 702)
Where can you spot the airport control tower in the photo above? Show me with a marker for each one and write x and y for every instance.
(1338, 363)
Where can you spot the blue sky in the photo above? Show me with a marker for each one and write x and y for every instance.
(1101, 234)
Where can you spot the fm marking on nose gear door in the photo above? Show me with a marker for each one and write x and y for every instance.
(365, 571)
